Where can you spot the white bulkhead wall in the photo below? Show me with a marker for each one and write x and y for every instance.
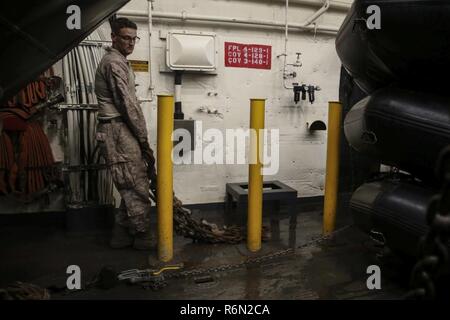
(302, 155)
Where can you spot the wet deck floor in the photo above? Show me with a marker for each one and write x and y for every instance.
(318, 269)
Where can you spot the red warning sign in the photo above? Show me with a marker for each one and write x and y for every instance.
(241, 55)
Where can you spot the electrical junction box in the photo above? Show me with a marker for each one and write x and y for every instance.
(191, 51)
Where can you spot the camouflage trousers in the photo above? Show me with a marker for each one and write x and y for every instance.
(124, 160)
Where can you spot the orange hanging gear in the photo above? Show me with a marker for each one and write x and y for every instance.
(6, 161)
(39, 88)
(32, 168)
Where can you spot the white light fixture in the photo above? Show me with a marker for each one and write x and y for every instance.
(191, 51)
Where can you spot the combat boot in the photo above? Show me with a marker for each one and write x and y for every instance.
(144, 241)
(120, 237)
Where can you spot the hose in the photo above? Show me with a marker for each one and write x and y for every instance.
(80, 76)
(79, 67)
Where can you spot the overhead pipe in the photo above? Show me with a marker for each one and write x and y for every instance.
(319, 13)
(335, 5)
(183, 16)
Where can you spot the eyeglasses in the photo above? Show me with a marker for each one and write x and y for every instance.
(130, 39)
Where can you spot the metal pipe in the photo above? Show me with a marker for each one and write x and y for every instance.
(65, 64)
(84, 133)
(93, 67)
(286, 26)
(76, 159)
(308, 21)
(74, 79)
(255, 178)
(92, 125)
(84, 97)
(70, 125)
(332, 166)
(94, 55)
(69, 149)
(164, 192)
(72, 89)
(91, 72)
(286, 35)
(85, 74)
(88, 68)
(262, 23)
(335, 5)
(83, 117)
(319, 13)
(150, 31)
(178, 103)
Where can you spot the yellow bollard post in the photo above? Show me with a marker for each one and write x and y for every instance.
(332, 166)
(255, 178)
(164, 192)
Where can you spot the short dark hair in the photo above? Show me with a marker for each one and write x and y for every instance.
(120, 23)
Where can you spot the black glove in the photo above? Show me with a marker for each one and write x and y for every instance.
(149, 159)
(147, 153)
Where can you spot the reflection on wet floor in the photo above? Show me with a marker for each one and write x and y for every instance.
(318, 268)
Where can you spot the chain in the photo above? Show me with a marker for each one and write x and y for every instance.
(24, 291)
(433, 249)
(160, 281)
(156, 284)
(250, 261)
(229, 267)
(185, 225)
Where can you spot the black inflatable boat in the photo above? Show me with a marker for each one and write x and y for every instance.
(412, 46)
(402, 63)
(396, 209)
(402, 128)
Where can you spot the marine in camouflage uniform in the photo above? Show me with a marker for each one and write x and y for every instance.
(122, 138)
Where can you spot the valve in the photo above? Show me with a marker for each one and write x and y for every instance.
(297, 90)
(303, 89)
(311, 93)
